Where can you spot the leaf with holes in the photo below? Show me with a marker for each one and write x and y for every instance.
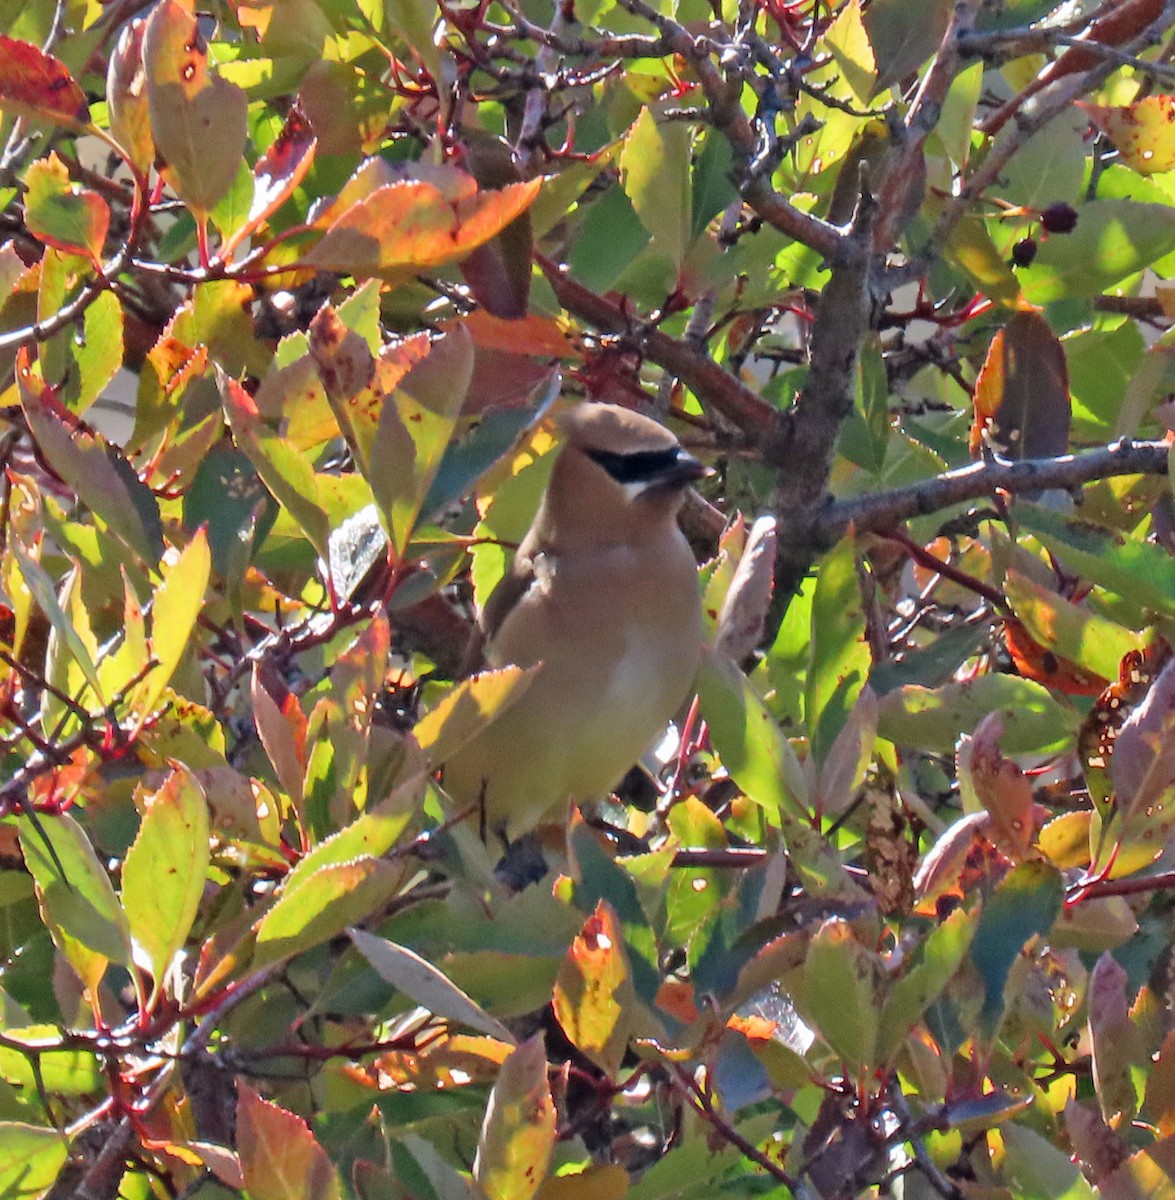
(594, 996)
(197, 119)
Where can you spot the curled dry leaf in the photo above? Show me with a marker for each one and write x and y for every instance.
(744, 611)
(1143, 765)
(1001, 787)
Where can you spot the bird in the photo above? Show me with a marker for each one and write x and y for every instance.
(602, 598)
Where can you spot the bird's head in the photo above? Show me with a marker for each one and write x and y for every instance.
(618, 467)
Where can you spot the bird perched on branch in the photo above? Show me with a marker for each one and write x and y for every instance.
(603, 594)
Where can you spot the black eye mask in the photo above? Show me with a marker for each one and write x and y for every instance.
(647, 466)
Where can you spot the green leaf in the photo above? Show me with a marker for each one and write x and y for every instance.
(1114, 239)
(429, 400)
(178, 602)
(97, 354)
(849, 43)
(840, 657)
(750, 743)
(164, 872)
(1138, 571)
(420, 981)
(99, 472)
(198, 120)
(904, 34)
(284, 469)
(933, 718)
(654, 171)
(77, 899)
(941, 955)
(1038, 1170)
(30, 1160)
(322, 905)
(413, 20)
(62, 214)
(1074, 632)
(761, 761)
(1024, 906)
(518, 1134)
(60, 1072)
(41, 587)
(463, 712)
(838, 994)
(972, 250)
(225, 494)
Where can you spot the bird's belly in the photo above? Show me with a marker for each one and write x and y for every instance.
(576, 729)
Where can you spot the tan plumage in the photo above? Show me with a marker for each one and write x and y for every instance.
(603, 592)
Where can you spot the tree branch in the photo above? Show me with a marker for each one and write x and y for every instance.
(714, 386)
(883, 510)
(725, 100)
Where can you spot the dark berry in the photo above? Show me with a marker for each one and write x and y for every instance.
(1023, 252)
(1059, 218)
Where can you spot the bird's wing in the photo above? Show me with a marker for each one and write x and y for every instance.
(517, 581)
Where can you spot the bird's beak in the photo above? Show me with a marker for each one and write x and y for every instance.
(686, 469)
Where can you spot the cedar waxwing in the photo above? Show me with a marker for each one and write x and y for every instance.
(603, 592)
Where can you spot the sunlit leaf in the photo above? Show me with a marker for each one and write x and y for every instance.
(654, 171)
(75, 893)
(518, 1133)
(322, 905)
(126, 96)
(1142, 132)
(840, 657)
(164, 872)
(63, 214)
(35, 84)
(415, 224)
(30, 1159)
(191, 109)
(280, 1158)
(594, 996)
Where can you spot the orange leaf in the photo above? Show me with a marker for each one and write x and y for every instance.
(413, 224)
(280, 1158)
(35, 84)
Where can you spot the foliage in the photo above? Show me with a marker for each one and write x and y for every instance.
(896, 920)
